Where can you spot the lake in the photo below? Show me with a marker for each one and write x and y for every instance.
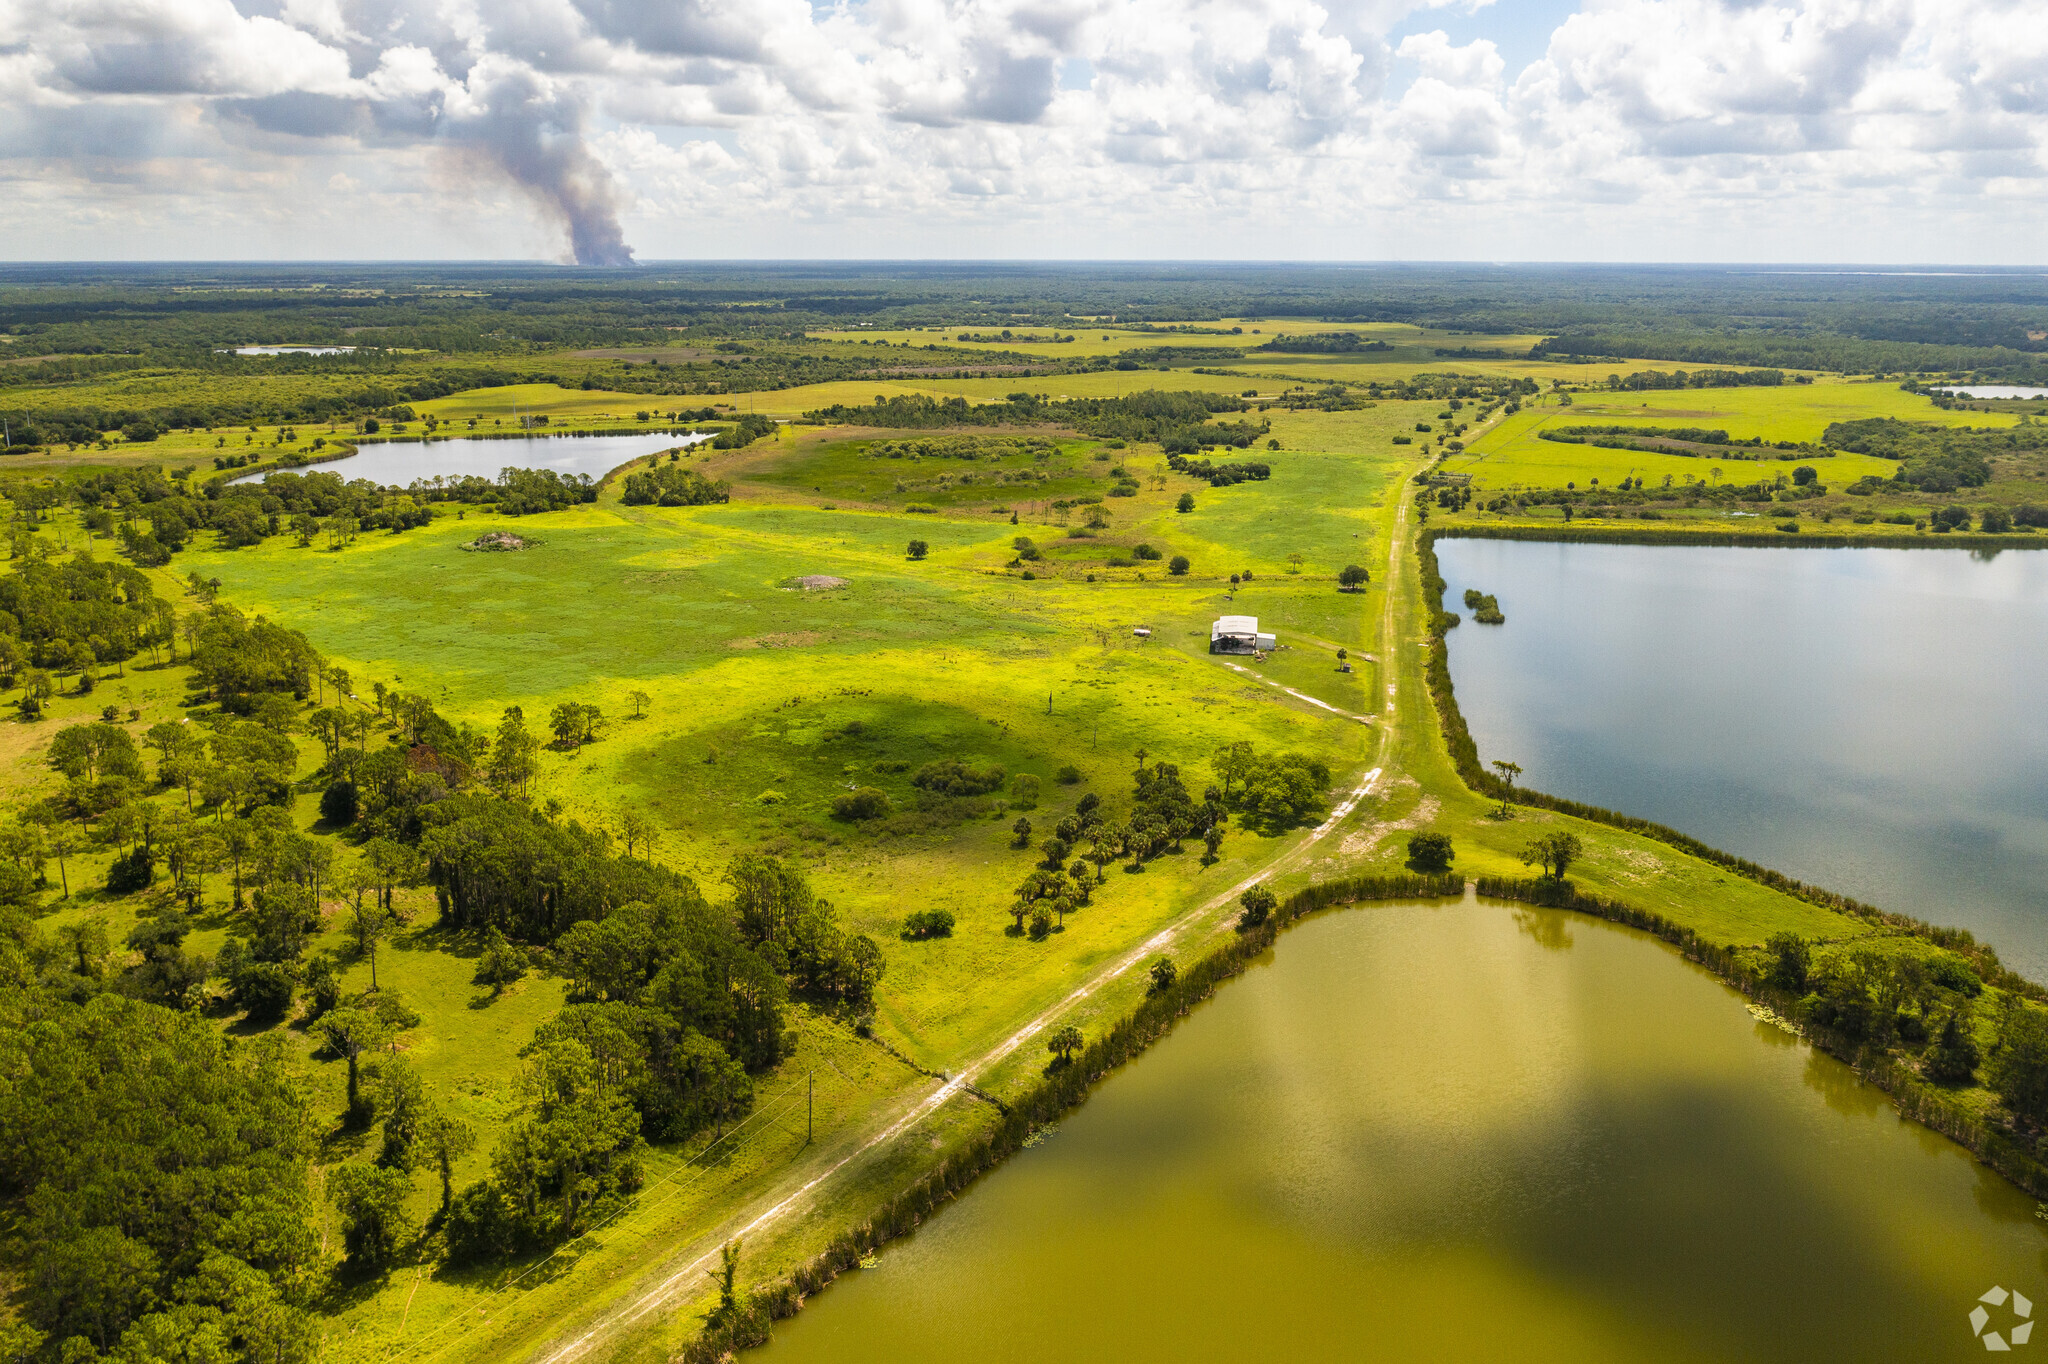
(1467, 1132)
(1866, 719)
(400, 462)
(1997, 391)
(294, 350)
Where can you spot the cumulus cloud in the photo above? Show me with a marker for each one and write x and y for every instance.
(753, 125)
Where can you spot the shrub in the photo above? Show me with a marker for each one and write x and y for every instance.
(1145, 552)
(1791, 960)
(338, 802)
(1068, 775)
(130, 872)
(868, 802)
(1995, 521)
(501, 962)
(323, 985)
(928, 923)
(951, 777)
(1178, 565)
(1186, 503)
(1024, 790)
(262, 990)
(1951, 518)
(918, 549)
(1257, 904)
(1163, 975)
(1430, 852)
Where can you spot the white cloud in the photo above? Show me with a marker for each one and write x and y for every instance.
(1705, 128)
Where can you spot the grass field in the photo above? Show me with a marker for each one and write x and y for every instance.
(769, 700)
(1512, 454)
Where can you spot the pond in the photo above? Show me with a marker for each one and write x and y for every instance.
(1996, 391)
(400, 462)
(1866, 719)
(1466, 1132)
(294, 350)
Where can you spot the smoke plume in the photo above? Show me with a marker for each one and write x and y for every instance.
(533, 132)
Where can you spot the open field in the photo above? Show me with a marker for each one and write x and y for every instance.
(1513, 454)
(760, 690)
(766, 700)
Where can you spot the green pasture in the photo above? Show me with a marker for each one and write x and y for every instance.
(857, 471)
(1797, 412)
(1512, 453)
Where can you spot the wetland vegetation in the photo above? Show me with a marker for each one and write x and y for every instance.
(497, 936)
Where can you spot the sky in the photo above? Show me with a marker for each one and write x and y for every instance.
(608, 131)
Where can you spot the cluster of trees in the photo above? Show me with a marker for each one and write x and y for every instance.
(1922, 1001)
(672, 485)
(71, 617)
(1218, 475)
(1933, 459)
(744, 432)
(1488, 390)
(1277, 790)
(953, 777)
(1653, 379)
(1162, 817)
(990, 448)
(159, 1174)
(1323, 343)
(1148, 416)
(1682, 440)
(1485, 608)
(155, 517)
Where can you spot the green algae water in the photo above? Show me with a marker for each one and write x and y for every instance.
(1461, 1132)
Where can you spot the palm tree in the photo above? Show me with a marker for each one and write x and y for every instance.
(1065, 1042)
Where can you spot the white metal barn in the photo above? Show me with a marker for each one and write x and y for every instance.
(1239, 635)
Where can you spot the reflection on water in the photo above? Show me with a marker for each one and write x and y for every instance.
(1448, 1133)
(1865, 719)
(401, 462)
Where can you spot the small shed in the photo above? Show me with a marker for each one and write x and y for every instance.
(1238, 635)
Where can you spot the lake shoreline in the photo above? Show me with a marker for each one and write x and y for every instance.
(1929, 1105)
(358, 445)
